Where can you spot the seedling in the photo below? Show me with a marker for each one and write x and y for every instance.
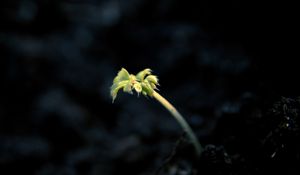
(145, 83)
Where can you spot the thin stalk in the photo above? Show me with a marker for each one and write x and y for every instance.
(180, 120)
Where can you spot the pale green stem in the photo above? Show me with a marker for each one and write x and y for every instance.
(180, 120)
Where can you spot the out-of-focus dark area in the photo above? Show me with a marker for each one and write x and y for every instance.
(229, 67)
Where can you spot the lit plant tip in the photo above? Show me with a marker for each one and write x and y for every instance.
(146, 83)
(143, 82)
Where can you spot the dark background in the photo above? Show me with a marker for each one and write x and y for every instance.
(222, 64)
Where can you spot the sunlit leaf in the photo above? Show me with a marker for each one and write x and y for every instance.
(153, 81)
(137, 87)
(116, 87)
(146, 87)
(122, 75)
(144, 93)
(141, 75)
(128, 88)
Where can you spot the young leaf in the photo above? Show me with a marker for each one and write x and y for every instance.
(147, 89)
(122, 75)
(141, 75)
(153, 81)
(116, 87)
(128, 88)
(137, 87)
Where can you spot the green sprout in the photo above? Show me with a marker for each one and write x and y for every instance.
(145, 83)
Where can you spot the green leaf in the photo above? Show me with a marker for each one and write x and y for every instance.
(147, 88)
(128, 88)
(144, 93)
(153, 81)
(116, 87)
(122, 75)
(141, 75)
(138, 87)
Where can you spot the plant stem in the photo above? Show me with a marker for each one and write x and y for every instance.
(180, 120)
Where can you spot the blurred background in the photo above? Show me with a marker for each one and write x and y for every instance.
(58, 59)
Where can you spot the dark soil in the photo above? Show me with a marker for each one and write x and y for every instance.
(229, 67)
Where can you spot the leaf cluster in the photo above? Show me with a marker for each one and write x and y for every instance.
(143, 83)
